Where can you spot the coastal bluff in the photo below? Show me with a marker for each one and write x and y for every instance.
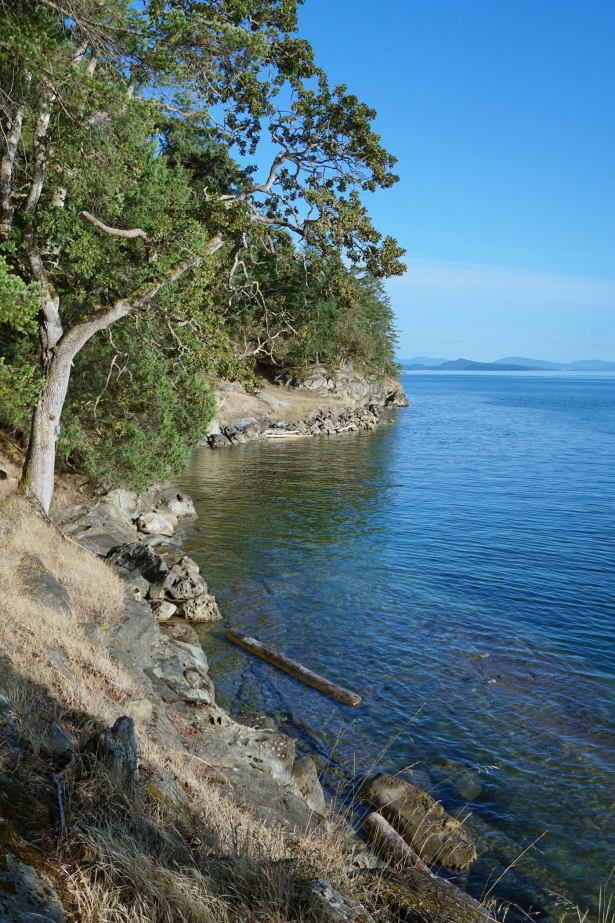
(314, 401)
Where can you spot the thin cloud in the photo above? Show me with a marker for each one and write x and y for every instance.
(500, 284)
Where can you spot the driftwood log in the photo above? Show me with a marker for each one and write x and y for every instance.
(390, 844)
(282, 662)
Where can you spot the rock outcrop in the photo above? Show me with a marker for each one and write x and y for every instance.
(309, 402)
(416, 896)
(257, 765)
(422, 821)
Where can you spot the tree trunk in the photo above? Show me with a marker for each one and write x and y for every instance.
(58, 352)
(38, 472)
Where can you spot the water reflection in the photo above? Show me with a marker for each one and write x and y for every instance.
(454, 569)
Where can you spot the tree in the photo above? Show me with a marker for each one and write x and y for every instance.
(127, 135)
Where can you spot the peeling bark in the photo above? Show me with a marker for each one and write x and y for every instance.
(6, 174)
(59, 350)
(40, 153)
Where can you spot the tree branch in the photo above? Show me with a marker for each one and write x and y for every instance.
(40, 152)
(131, 234)
(6, 173)
(51, 328)
(77, 336)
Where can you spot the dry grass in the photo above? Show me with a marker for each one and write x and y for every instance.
(96, 592)
(126, 859)
(48, 668)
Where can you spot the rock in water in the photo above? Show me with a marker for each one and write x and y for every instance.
(202, 608)
(172, 502)
(251, 719)
(423, 823)
(157, 524)
(415, 896)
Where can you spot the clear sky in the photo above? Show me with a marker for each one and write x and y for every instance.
(502, 117)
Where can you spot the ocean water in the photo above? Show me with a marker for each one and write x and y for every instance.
(455, 568)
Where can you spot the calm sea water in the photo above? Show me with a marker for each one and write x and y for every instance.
(455, 569)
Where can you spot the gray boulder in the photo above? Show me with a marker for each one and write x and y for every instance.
(305, 775)
(252, 719)
(56, 741)
(119, 748)
(124, 499)
(201, 608)
(139, 557)
(163, 610)
(182, 581)
(156, 524)
(27, 895)
(422, 821)
(47, 591)
(218, 441)
(94, 635)
(171, 502)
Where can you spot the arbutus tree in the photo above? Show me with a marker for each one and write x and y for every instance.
(127, 132)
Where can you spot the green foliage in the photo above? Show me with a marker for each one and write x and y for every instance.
(19, 376)
(316, 310)
(211, 80)
(133, 417)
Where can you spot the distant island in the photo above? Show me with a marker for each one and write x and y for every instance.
(511, 364)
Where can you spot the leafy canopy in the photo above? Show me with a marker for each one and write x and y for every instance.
(158, 118)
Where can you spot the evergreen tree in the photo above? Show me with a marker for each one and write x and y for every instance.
(127, 196)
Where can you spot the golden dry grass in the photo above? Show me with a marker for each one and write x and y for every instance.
(128, 860)
(96, 592)
(48, 668)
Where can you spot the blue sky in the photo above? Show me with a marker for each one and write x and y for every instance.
(502, 117)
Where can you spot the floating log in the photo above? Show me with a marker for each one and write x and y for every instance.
(390, 844)
(282, 662)
(286, 435)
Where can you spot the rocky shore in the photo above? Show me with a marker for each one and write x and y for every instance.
(167, 723)
(252, 762)
(310, 402)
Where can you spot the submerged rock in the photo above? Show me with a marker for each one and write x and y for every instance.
(202, 608)
(252, 719)
(422, 821)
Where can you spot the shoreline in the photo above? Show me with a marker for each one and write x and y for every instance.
(250, 760)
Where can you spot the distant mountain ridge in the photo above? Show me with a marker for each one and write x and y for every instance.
(581, 365)
(510, 364)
